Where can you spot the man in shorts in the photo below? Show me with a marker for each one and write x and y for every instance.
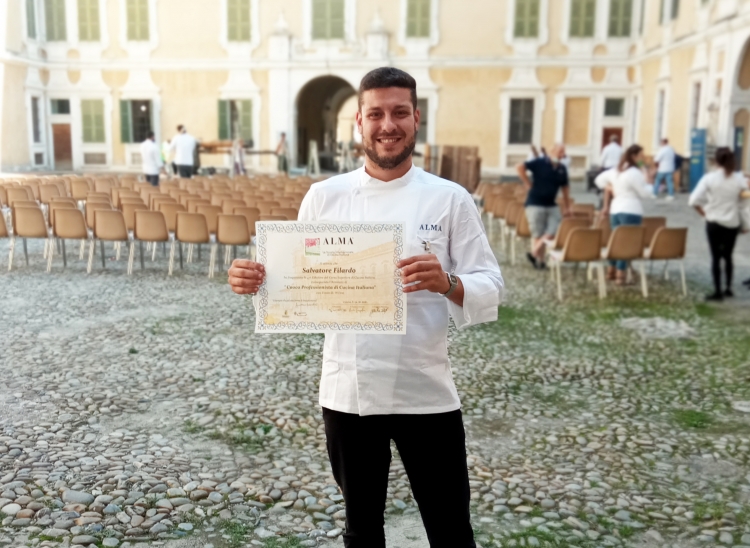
(549, 176)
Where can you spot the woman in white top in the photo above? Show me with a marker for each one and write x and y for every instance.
(717, 198)
(625, 186)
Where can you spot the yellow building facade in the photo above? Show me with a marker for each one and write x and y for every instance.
(82, 81)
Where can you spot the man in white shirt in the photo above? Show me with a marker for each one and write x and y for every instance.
(378, 388)
(611, 154)
(151, 159)
(665, 159)
(183, 146)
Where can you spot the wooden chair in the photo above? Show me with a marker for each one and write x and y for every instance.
(650, 226)
(91, 209)
(68, 224)
(211, 212)
(191, 229)
(521, 232)
(626, 244)
(170, 212)
(227, 206)
(47, 192)
(151, 227)
(669, 244)
(583, 245)
(128, 211)
(28, 222)
(232, 231)
(109, 226)
(288, 212)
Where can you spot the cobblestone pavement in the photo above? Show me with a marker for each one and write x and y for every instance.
(144, 410)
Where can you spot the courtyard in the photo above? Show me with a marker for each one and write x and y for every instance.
(144, 411)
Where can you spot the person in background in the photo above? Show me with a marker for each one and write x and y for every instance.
(183, 146)
(665, 160)
(624, 187)
(238, 157)
(717, 197)
(172, 169)
(282, 153)
(151, 159)
(542, 212)
(611, 154)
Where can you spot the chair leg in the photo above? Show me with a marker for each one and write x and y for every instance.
(46, 246)
(666, 270)
(91, 256)
(602, 283)
(82, 250)
(131, 256)
(682, 275)
(64, 253)
(153, 253)
(51, 247)
(25, 251)
(212, 261)
(512, 250)
(171, 257)
(226, 255)
(143, 267)
(118, 248)
(10, 254)
(559, 281)
(199, 252)
(181, 263)
(644, 282)
(104, 260)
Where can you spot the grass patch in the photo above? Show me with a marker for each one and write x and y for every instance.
(300, 358)
(133, 351)
(689, 418)
(289, 542)
(709, 510)
(236, 533)
(191, 427)
(626, 531)
(239, 438)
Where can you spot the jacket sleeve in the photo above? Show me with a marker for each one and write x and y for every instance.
(475, 264)
(605, 178)
(699, 196)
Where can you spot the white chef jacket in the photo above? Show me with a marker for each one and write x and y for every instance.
(719, 196)
(183, 146)
(611, 155)
(151, 157)
(629, 187)
(409, 374)
(665, 157)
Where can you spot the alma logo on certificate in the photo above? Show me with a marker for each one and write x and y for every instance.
(312, 246)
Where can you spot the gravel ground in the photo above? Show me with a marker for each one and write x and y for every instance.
(143, 410)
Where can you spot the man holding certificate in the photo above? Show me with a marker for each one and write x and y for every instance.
(381, 387)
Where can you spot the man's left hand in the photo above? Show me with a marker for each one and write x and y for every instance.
(425, 269)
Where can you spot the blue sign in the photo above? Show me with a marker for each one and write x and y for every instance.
(697, 156)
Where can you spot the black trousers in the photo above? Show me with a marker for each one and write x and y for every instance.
(153, 180)
(433, 450)
(186, 172)
(721, 240)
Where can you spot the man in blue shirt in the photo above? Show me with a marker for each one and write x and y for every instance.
(549, 176)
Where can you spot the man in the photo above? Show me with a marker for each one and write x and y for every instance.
(611, 153)
(282, 153)
(378, 388)
(183, 146)
(665, 160)
(151, 158)
(550, 175)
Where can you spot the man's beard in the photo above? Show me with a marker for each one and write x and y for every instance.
(390, 162)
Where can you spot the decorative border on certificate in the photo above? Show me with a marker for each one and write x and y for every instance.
(312, 247)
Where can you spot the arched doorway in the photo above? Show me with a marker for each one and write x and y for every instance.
(318, 106)
(740, 109)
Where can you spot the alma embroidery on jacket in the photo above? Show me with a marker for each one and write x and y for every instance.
(430, 227)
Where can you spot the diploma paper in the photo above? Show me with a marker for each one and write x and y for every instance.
(335, 277)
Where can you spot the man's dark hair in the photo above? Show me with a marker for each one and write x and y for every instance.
(150, 135)
(179, 128)
(388, 77)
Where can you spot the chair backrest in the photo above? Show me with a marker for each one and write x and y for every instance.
(156, 199)
(514, 211)
(500, 206)
(211, 213)
(583, 245)
(668, 243)
(109, 225)
(584, 208)
(522, 225)
(54, 207)
(150, 226)
(91, 208)
(252, 216)
(128, 211)
(98, 200)
(265, 206)
(25, 203)
(566, 226)
(193, 203)
(170, 212)
(69, 224)
(19, 194)
(79, 188)
(274, 218)
(604, 223)
(28, 222)
(192, 228)
(218, 198)
(3, 228)
(650, 226)
(626, 243)
(232, 230)
(227, 206)
(3, 196)
(103, 185)
(125, 200)
(289, 212)
(47, 192)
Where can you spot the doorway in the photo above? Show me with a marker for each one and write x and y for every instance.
(63, 147)
(318, 106)
(607, 134)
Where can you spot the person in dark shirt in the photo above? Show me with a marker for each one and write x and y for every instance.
(549, 176)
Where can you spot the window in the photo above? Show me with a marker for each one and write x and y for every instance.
(36, 128)
(54, 19)
(582, 17)
(238, 20)
(642, 22)
(675, 9)
(60, 106)
(614, 107)
(236, 120)
(695, 113)
(328, 19)
(521, 121)
(92, 113)
(620, 14)
(137, 15)
(418, 18)
(30, 19)
(659, 116)
(135, 121)
(527, 19)
(423, 106)
(88, 20)
(38, 158)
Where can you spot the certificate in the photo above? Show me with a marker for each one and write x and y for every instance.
(330, 277)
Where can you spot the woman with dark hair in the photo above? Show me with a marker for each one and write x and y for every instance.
(624, 187)
(717, 198)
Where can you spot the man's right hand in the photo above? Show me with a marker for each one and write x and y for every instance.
(246, 277)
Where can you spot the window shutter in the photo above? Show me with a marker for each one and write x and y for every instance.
(98, 119)
(232, 22)
(30, 19)
(532, 26)
(244, 20)
(576, 17)
(589, 18)
(527, 19)
(88, 20)
(238, 20)
(675, 9)
(92, 118)
(423, 29)
(54, 16)
(319, 19)
(411, 18)
(137, 20)
(336, 19)
(126, 123)
(87, 122)
(224, 121)
(246, 120)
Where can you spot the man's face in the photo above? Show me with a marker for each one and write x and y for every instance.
(388, 124)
